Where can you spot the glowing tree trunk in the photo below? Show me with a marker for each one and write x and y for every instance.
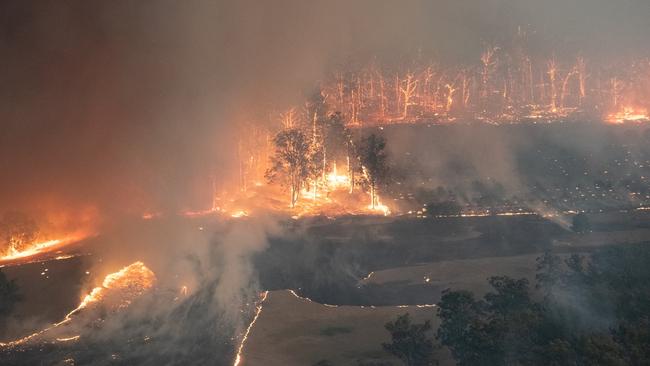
(488, 60)
(542, 88)
(552, 76)
(616, 86)
(340, 88)
(215, 193)
(428, 76)
(295, 190)
(465, 90)
(373, 163)
(242, 168)
(450, 97)
(373, 196)
(410, 84)
(360, 93)
(565, 88)
(354, 108)
(289, 119)
(581, 68)
(382, 98)
(529, 79)
(350, 173)
(398, 95)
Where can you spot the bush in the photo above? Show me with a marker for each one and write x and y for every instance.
(411, 343)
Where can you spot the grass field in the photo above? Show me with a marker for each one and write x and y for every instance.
(295, 331)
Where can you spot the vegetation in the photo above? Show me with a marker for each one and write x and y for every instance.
(291, 161)
(411, 343)
(584, 310)
(309, 144)
(371, 151)
(594, 312)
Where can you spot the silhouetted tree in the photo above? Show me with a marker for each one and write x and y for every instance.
(291, 161)
(549, 273)
(372, 155)
(337, 137)
(508, 327)
(411, 343)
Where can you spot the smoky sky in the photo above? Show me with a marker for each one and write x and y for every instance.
(130, 105)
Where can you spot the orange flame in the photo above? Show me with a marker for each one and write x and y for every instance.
(42, 247)
(629, 114)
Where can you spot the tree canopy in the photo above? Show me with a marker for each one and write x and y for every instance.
(411, 343)
(594, 312)
(291, 163)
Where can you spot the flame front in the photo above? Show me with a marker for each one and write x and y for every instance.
(629, 114)
(127, 284)
(258, 311)
(39, 247)
(130, 282)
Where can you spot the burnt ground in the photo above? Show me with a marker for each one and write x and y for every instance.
(325, 259)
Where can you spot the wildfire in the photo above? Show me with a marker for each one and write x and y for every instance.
(331, 195)
(126, 284)
(129, 282)
(335, 180)
(379, 207)
(238, 214)
(292, 292)
(41, 247)
(629, 114)
(189, 213)
(150, 215)
(258, 311)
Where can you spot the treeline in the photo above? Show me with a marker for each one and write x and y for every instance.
(582, 310)
(504, 84)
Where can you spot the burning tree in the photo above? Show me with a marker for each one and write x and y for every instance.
(372, 155)
(338, 142)
(504, 85)
(408, 89)
(291, 161)
(17, 231)
(316, 110)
